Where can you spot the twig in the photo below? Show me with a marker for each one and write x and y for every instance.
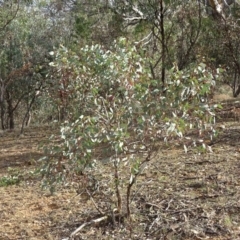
(113, 218)
(88, 223)
(169, 204)
(11, 19)
(133, 180)
(136, 10)
(116, 180)
(146, 40)
(152, 205)
(137, 191)
(155, 220)
(98, 209)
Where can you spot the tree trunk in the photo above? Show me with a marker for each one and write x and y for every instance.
(10, 110)
(162, 30)
(27, 117)
(61, 113)
(2, 106)
(2, 114)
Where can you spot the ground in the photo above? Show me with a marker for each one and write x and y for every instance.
(177, 196)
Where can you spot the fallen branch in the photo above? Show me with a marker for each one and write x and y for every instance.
(98, 220)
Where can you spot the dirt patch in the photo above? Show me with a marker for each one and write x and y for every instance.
(22, 150)
(28, 213)
(177, 196)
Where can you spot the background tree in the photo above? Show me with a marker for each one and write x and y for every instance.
(27, 41)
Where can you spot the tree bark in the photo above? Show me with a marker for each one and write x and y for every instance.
(10, 110)
(2, 107)
(26, 119)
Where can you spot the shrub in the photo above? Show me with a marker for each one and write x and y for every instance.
(117, 111)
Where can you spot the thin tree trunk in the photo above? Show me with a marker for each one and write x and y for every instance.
(2, 107)
(163, 71)
(2, 114)
(10, 110)
(27, 113)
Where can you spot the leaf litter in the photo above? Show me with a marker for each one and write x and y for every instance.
(177, 196)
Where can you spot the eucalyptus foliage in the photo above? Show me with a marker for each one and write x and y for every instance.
(116, 111)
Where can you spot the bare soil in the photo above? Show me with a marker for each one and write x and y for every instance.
(178, 195)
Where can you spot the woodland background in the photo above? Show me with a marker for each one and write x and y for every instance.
(127, 111)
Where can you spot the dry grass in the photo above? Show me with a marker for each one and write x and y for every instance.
(178, 195)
